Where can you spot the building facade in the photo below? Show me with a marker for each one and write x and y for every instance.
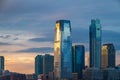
(95, 43)
(48, 63)
(1, 62)
(108, 55)
(30, 76)
(78, 59)
(63, 50)
(93, 74)
(6, 75)
(38, 65)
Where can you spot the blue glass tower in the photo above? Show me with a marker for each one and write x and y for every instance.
(1, 63)
(63, 51)
(48, 63)
(78, 59)
(95, 43)
(38, 65)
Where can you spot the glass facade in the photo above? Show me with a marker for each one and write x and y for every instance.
(78, 59)
(1, 63)
(108, 55)
(95, 43)
(38, 65)
(48, 63)
(63, 50)
(104, 57)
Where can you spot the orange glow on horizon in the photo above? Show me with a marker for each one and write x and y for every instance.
(21, 63)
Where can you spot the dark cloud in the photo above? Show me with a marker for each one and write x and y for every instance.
(36, 50)
(10, 44)
(37, 15)
(3, 43)
(16, 39)
(81, 35)
(109, 36)
(5, 36)
(41, 39)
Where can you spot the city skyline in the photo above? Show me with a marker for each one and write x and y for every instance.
(28, 30)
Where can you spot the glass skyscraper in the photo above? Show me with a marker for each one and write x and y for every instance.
(78, 59)
(1, 62)
(95, 43)
(39, 65)
(108, 55)
(48, 63)
(63, 50)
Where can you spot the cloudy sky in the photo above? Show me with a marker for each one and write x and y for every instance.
(27, 27)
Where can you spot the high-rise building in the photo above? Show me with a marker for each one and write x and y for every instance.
(108, 55)
(95, 43)
(1, 62)
(38, 65)
(63, 51)
(78, 59)
(48, 63)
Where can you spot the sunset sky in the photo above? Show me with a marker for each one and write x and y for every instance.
(27, 27)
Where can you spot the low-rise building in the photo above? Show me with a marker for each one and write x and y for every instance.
(6, 75)
(30, 77)
(92, 74)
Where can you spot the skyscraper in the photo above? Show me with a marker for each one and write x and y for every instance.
(63, 50)
(38, 65)
(78, 59)
(95, 43)
(108, 55)
(1, 62)
(48, 63)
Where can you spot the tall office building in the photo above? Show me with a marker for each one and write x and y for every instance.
(95, 43)
(38, 65)
(78, 59)
(1, 62)
(63, 51)
(108, 55)
(48, 63)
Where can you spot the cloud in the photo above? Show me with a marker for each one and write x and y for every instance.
(41, 39)
(2, 43)
(4, 51)
(10, 44)
(5, 36)
(109, 36)
(36, 50)
(31, 14)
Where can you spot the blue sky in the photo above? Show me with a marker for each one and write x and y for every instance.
(27, 26)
